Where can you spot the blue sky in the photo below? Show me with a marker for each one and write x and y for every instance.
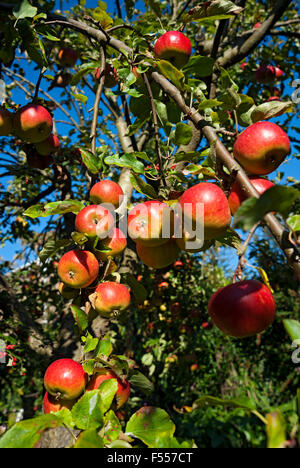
(291, 167)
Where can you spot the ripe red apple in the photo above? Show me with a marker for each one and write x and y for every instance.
(101, 375)
(111, 76)
(174, 47)
(268, 74)
(50, 404)
(261, 148)
(48, 146)
(116, 242)
(6, 122)
(111, 299)
(33, 123)
(238, 195)
(159, 256)
(216, 210)
(94, 220)
(257, 25)
(243, 65)
(67, 57)
(149, 223)
(78, 268)
(65, 379)
(242, 309)
(107, 191)
(67, 292)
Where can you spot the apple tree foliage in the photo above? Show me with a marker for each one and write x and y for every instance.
(181, 370)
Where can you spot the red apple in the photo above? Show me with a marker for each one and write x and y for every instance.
(268, 74)
(159, 256)
(50, 404)
(174, 47)
(6, 122)
(94, 220)
(48, 146)
(243, 65)
(238, 195)
(216, 212)
(107, 191)
(116, 242)
(261, 148)
(101, 375)
(67, 57)
(257, 25)
(78, 268)
(33, 123)
(65, 379)
(111, 76)
(111, 299)
(242, 309)
(273, 98)
(149, 223)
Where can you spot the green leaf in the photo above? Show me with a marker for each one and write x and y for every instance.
(150, 424)
(276, 429)
(102, 17)
(83, 70)
(294, 222)
(34, 211)
(24, 10)
(127, 160)
(112, 427)
(245, 109)
(209, 104)
(27, 433)
(51, 247)
(104, 346)
(278, 198)
(91, 343)
(88, 412)
(80, 97)
(107, 391)
(268, 110)
(137, 289)
(89, 439)
(241, 402)
(213, 9)
(138, 380)
(62, 207)
(292, 328)
(183, 134)
(79, 238)
(231, 239)
(80, 317)
(142, 187)
(199, 66)
(171, 73)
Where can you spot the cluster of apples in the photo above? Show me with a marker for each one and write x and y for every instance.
(78, 269)
(33, 124)
(246, 308)
(65, 381)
